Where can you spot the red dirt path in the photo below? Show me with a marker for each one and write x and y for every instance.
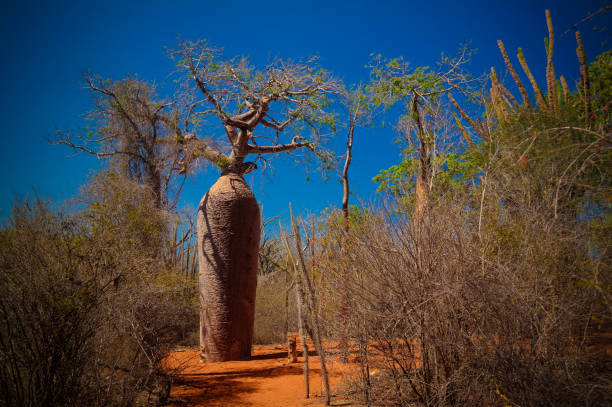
(265, 380)
(268, 379)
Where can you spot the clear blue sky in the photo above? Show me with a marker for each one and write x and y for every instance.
(46, 46)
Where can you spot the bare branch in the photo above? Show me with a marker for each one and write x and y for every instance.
(278, 148)
(588, 17)
(68, 142)
(282, 125)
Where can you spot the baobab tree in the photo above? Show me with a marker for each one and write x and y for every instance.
(253, 109)
(156, 141)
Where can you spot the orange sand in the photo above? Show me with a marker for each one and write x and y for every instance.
(265, 380)
(268, 379)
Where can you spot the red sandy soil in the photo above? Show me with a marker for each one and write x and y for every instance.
(265, 380)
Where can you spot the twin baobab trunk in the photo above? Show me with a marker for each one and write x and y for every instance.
(228, 249)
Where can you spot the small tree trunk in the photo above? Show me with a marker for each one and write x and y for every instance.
(302, 329)
(194, 262)
(228, 249)
(292, 349)
(343, 314)
(187, 258)
(304, 283)
(347, 163)
(422, 184)
(301, 317)
(424, 173)
(286, 327)
(153, 180)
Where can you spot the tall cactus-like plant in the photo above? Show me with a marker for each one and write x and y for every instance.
(557, 91)
(585, 90)
(565, 89)
(505, 93)
(515, 76)
(551, 82)
(478, 127)
(541, 102)
(497, 99)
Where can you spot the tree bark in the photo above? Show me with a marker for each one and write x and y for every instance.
(228, 247)
(302, 328)
(424, 172)
(311, 305)
(347, 163)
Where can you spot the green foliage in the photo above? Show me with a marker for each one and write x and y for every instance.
(393, 80)
(223, 162)
(358, 215)
(334, 218)
(600, 72)
(453, 172)
(399, 179)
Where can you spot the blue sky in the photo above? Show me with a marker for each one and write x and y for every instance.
(47, 46)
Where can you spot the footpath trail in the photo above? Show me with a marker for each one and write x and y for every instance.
(265, 380)
(268, 380)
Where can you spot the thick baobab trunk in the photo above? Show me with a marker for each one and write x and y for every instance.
(228, 250)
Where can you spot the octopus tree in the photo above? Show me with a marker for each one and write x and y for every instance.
(253, 110)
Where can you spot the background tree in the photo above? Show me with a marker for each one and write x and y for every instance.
(139, 131)
(501, 296)
(362, 103)
(424, 124)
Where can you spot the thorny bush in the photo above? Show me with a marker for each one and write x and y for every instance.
(88, 309)
(433, 321)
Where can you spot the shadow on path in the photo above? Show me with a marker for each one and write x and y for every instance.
(232, 383)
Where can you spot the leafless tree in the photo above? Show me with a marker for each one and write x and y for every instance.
(307, 301)
(132, 125)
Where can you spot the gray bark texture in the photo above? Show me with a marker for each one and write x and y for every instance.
(228, 250)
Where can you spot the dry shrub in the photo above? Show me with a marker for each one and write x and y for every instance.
(441, 315)
(46, 312)
(275, 312)
(140, 324)
(87, 314)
